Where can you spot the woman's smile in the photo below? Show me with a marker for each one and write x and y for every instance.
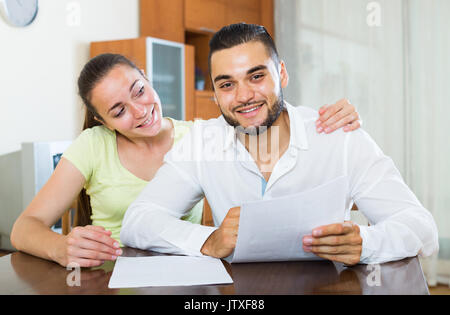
(150, 119)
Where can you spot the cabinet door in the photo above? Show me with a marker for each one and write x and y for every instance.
(162, 19)
(134, 49)
(166, 75)
(204, 15)
(247, 11)
(267, 11)
(205, 107)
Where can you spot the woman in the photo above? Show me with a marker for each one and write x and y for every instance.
(118, 153)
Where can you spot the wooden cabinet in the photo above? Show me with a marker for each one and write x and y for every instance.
(204, 15)
(171, 19)
(162, 19)
(134, 49)
(205, 106)
(266, 17)
(211, 15)
(189, 62)
(248, 11)
(201, 44)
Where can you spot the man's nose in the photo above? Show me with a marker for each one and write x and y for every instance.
(244, 94)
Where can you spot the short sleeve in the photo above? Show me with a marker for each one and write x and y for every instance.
(195, 214)
(181, 128)
(80, 153)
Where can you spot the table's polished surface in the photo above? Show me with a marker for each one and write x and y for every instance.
(24, 274)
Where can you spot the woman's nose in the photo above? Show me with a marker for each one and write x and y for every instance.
(138, 110)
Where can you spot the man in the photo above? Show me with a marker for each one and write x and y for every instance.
(273, 151)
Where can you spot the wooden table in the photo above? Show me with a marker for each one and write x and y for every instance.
(24, 274)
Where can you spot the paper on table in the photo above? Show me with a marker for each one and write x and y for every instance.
(272, 230)
(155, 271)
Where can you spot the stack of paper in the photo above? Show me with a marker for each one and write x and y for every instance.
(153, 271)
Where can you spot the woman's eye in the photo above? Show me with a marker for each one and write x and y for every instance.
(140, 92)
(119, 113)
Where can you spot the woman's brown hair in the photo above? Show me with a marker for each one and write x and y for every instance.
(93, 72)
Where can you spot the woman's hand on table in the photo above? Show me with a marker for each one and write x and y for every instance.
(87, 246)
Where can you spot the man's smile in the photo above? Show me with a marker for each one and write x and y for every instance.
(249, 111)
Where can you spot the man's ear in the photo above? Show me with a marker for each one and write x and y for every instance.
(284, 75)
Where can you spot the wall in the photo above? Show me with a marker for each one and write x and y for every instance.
(395, 71)
(332, 52)
(39, 66)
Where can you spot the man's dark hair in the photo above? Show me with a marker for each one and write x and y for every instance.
(241, 33)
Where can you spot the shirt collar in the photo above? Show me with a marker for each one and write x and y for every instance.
(298, 138)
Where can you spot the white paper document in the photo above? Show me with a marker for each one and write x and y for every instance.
(273, 230)
(155, 271)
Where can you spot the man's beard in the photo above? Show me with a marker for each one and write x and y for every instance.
(274, 112)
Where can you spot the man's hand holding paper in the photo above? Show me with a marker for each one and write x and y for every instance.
(273, 230)
(339, 242)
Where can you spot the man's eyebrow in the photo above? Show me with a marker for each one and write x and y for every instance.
(257, 68)
(222, 77)
(227, 77)
(119, 103)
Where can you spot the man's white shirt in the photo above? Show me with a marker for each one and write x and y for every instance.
(211, 162)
